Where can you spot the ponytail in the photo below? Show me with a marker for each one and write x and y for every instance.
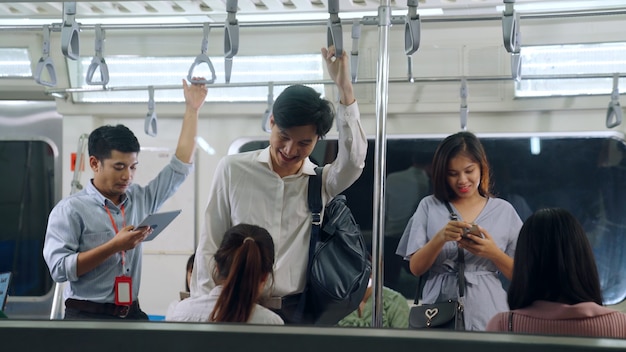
(243, 262)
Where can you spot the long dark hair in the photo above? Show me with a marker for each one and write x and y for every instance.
(553, 262)
(465, 143)
(245, 258)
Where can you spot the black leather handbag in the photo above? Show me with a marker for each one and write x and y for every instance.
(441, 315)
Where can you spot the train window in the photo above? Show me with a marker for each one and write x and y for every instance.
(579, 59)
(143, 71)
(14, 62)
(582, 173)
(27, 188)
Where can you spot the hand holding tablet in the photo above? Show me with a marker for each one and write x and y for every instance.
(158, 222)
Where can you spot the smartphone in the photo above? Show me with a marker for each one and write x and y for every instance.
(474, 231)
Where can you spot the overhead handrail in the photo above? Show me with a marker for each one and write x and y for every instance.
(354, 54)
(614, 112)
(412, 28)
(231, 38)
(334, 33)
(265, 123)
(45, 62)
(70, 44)
(202, 58)
(98, 61)
(150, 124)
(510, 27)
(464, 107)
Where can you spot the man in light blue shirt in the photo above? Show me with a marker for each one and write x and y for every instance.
(91, 241)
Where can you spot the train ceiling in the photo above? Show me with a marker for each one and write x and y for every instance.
(215, 10)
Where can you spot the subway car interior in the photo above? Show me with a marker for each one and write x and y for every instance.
(538, 81)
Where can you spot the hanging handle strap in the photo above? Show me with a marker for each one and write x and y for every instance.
(614, 112)
(412, 28)
(265, 123)
(150, 124)
(334, 33)
(510, 27)
(354, 54)
(70, 44)
(231, 38)
(98, 61)
(203, 58)
(464, 107)
(45, 62)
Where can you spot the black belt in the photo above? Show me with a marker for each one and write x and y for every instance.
(101, 308)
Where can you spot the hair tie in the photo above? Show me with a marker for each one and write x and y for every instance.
(248, 239)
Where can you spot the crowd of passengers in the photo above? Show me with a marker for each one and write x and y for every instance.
(250, 265)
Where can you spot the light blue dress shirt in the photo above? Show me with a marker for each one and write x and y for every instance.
(80, 222)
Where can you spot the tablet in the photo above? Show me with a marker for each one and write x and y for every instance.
(158, 222)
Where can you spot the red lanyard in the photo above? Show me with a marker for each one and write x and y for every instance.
(116, 231)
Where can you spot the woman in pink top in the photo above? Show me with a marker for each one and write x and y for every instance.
(555, 287)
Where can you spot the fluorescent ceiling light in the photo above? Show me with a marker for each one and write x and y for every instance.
(543, 6)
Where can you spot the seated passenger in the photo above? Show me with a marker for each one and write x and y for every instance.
(555, 287)
(188, 271)
(243, 264)
(395, 310)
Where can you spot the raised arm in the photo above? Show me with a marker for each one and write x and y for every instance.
(339, 70)
(195, 94)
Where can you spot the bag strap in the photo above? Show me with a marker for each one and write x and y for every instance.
(460, 258)
(315, 206)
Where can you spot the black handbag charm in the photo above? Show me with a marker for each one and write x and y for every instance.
(441, 315)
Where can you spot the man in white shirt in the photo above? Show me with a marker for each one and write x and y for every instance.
(269, 187)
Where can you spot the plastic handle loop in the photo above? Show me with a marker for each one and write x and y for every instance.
(464, 107)
(98, 61)
(614, 111)
(510, 28)
(354, 54)
(202, 58)
(231, 38)
(412, 28)
(516, 66)
(334, 33)
(150, 124)
(265, 123)
(45, 62)
(70, 44)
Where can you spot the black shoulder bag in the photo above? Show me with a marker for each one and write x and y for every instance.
(442, 315)
(338, 268)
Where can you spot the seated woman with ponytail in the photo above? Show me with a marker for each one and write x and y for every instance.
(243, 264)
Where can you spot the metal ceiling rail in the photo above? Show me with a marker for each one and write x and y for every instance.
(367, 20)
(446, 79)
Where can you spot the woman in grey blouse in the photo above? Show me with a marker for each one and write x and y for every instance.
(430, 240)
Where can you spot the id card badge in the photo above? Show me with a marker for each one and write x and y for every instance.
(123, 290)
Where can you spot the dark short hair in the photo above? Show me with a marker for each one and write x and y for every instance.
(467, 144)
(104, 139)
(300, 105)
(553, 262)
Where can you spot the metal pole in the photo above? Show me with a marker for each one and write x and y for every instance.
(380, 155)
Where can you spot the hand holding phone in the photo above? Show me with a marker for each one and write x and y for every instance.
(472, 230)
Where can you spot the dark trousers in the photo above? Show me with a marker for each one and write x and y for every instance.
(86, 310)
